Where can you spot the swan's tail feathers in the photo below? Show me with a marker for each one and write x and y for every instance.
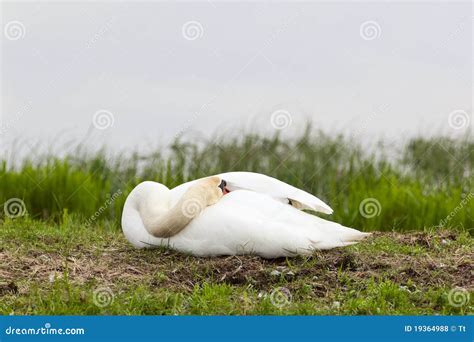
(341, 237)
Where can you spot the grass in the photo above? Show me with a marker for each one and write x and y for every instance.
(72, 268)
(65, 253)
(417, 187)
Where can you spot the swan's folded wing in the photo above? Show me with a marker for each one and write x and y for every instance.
(275, 188)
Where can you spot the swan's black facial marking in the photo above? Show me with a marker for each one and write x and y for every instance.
(222, 186)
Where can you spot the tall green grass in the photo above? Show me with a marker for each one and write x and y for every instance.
(417, 186)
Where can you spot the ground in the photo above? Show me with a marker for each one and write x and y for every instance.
(71, 268)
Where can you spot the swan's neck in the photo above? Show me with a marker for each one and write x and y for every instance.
(166, 222)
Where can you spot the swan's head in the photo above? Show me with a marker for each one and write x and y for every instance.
(203, 193)
(213, 188)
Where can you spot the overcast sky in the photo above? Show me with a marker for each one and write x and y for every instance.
(133, 75)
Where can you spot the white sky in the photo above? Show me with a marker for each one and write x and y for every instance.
(306, 60)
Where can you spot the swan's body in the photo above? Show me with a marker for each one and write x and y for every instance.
(259, 215)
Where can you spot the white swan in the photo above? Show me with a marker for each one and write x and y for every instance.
(231, 213)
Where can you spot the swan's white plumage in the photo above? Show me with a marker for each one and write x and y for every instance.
(258, 220)
(275, 188)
